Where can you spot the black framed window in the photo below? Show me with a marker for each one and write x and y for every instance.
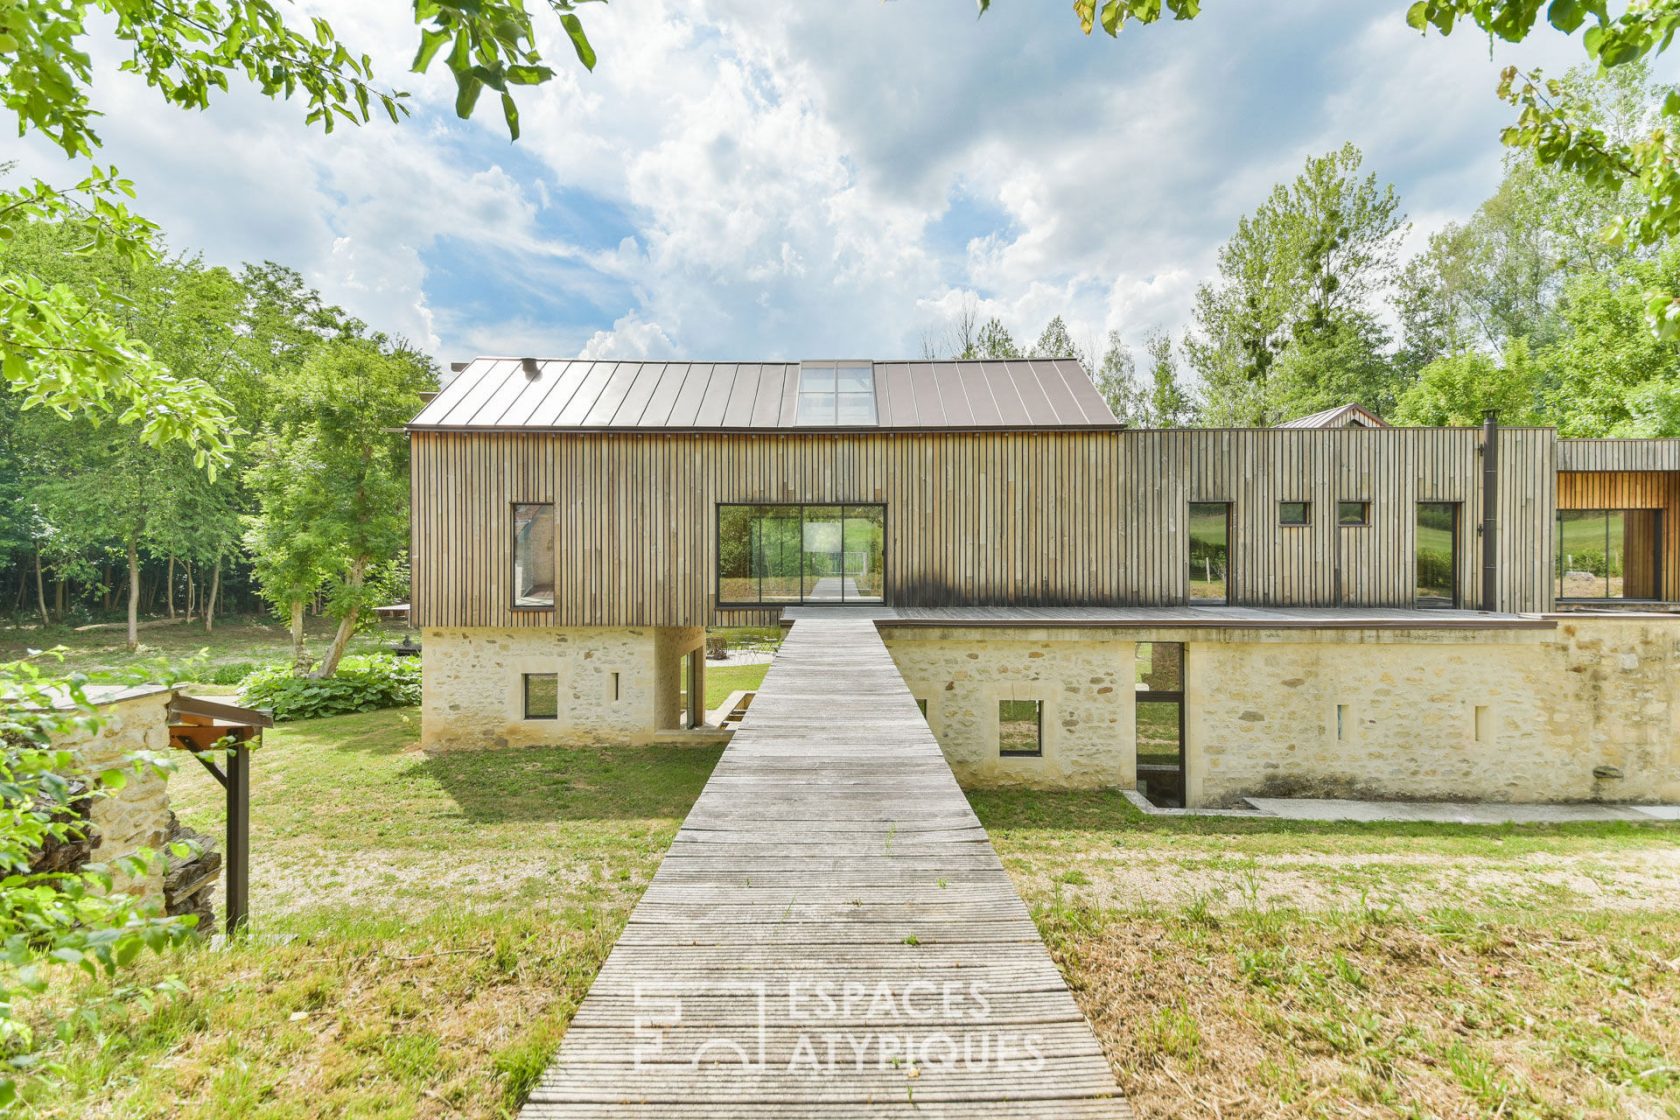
(1020, 728)
(542, 696)
(1435, 555)
(533, 555)
(1210, 552)
(1294, 513)
(1609, 554)
(1161, 764)
(788, 554)
(836, 394)
(1353, 513)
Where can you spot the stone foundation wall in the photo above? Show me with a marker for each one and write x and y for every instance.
(615, 685)
(1086, 687)
(136, 816)
(1588, 712)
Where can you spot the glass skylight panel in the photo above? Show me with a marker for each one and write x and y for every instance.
(836, 395)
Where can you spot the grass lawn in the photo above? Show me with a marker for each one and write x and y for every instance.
(235, 642)
(721, 680)
(423, 929)
(1239, 969)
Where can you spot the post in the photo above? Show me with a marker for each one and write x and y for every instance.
(1490, 506)
(238, 834)
(697, 687)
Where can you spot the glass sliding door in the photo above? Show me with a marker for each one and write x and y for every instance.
(781, 554)
(1435, 555)
(1609, 554)
(863, 553)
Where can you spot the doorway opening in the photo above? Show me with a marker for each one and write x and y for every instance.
(1162, 775)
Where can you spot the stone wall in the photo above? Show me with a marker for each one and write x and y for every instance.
(1086, 687)
(136, 816)
(1585, 712)
(615, 685)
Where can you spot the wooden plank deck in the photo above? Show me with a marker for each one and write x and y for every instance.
(831, 933)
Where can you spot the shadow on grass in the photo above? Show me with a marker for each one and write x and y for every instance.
(1107, 810)
(573, 783)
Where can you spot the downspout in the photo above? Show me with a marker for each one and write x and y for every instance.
(1490, 506)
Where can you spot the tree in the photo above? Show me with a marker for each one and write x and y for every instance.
(1055, 342)
(1552, 122)
(1498, 276)
(1116, 380)
(1460, 389)
(335, 477)
(994, 342)
(1169, 404)
(1606, 376)
(1298, 275)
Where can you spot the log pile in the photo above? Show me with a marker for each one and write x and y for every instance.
(189, 886)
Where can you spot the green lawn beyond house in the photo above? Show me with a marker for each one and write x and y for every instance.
(424, 927)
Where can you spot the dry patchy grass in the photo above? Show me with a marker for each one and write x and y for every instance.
(1241, 969)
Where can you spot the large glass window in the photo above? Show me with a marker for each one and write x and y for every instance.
(1435, 554)
(533, 554)
(772, 554)
(1609, 554)
(1210, 551)
(836, 394)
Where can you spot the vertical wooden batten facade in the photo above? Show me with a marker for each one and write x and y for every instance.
(1027, 518)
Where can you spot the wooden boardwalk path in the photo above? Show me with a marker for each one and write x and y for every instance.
(831, 933)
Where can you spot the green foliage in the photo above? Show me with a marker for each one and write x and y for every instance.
(1295, 282)
(361, 684)
(1460, 389)
(53, 919)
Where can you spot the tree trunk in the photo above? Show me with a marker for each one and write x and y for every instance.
(210, 600)
(190, 589)
(40, 589)
(298, 665)
(347, 624)
(133, 595)
(58, 597)
(169, 585)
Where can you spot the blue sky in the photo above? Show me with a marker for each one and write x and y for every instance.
(743, 178)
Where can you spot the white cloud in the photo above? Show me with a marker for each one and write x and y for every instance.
(630, 339)
(739, 178)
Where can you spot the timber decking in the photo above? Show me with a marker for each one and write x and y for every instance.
(831, 845)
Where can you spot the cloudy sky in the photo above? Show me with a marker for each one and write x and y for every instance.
(759, 179)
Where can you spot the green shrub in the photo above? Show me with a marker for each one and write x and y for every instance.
(231, 672)
(1434, 568)
(361, 684)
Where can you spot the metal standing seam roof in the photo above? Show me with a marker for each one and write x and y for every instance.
(1342, 416)
(517, 394)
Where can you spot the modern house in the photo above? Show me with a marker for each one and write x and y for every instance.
(1335, 608)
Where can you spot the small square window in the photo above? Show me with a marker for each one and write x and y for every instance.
(1353, 513)
(542, 696)
(1020, 728)
(1294, 513)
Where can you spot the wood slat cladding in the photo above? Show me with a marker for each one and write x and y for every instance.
(1618, 454)
(1631, 490)
(1002, 518)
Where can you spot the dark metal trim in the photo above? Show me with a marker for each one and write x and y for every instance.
(719, 603)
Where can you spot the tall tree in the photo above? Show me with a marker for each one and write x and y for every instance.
(1300, 273)
(994, 341)
(1169, 405)
(1116, 380)
(1055, 342)
(340, 474)
(1458, 390)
